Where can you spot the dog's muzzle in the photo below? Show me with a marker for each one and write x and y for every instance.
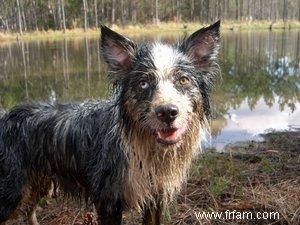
(170, 134)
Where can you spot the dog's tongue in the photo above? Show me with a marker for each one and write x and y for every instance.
(170, 135)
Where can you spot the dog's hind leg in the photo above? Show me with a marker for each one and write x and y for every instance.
(10, 196)
(40, 188)
(8, 205)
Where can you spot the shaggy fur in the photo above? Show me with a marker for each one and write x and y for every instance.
(129, 152)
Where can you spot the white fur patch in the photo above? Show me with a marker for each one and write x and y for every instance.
(165, 58)
(168, 94)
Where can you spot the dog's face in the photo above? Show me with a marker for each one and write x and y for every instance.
(163, 87)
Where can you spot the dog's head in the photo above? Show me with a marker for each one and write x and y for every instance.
(163, 87)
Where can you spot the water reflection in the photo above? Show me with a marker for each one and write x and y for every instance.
(259, 89)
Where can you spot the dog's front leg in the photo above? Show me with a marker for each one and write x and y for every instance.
(109, 213)
(153, 214)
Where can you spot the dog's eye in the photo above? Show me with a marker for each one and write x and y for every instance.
(144, 84)
(184, 80)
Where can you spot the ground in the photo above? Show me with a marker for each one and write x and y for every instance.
(247, 177)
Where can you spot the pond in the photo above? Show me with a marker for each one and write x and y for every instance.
(258, 90)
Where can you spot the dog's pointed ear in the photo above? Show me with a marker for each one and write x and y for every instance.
(117, 50)
(203, 45)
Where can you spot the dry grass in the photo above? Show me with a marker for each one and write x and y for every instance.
(253, 177)
(148, 29)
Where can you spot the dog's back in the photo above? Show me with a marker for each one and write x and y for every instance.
(40, 141)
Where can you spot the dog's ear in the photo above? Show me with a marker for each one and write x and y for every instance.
(203, 45)
(117, 50)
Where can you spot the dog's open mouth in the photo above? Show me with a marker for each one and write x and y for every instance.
(170, 136)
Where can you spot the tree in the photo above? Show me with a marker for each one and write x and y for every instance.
(192, 18)
(96, 13)
(25, 15)
(237, 9)
(178, 14)
(133, 11)
(122, 12)
(19, 18)
(156, 11)
(284, 16)
(62, 5)
(85, 15)
(113, 10)
(260, 9)
(298, 10)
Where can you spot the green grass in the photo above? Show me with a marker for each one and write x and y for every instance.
(148, 29)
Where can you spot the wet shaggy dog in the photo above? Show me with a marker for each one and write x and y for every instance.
(131, 151)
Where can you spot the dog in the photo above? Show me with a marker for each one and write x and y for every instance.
(131, 151)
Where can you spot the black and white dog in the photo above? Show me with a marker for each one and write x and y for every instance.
(131, 151)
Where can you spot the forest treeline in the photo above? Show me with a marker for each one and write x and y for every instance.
(28, 15)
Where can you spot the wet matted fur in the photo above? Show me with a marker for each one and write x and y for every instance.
(131, 151)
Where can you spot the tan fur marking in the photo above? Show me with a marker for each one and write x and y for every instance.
(38, 187)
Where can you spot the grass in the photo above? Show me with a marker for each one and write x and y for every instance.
(148, 29)
(253, 177)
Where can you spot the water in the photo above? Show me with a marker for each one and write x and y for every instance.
(259, 90)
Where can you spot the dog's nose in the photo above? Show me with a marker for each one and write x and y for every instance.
(167, 113)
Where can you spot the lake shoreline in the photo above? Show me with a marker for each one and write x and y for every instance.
(142, 29)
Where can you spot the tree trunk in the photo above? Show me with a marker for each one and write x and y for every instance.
(102, 9)
(284, 17)
(237, 9)
(270, 10)
(298, 13)
(113, 11)
(96, 13)
(23, 16)
(276, 14)
(192, 10)
(62, 4)
(35, 15)
(249, 10)
(59, 15)
(7, 26)
(207, 17)
(260, 9)
(133, 11)
(19, 18)
(241, 9)
(122, 12)
(173, 10)
(85, 15)
(178, 14)
(219, 10)
(156, 11)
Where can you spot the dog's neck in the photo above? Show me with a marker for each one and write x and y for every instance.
(155, 169)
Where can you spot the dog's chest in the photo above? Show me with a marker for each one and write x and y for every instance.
(155, 171)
